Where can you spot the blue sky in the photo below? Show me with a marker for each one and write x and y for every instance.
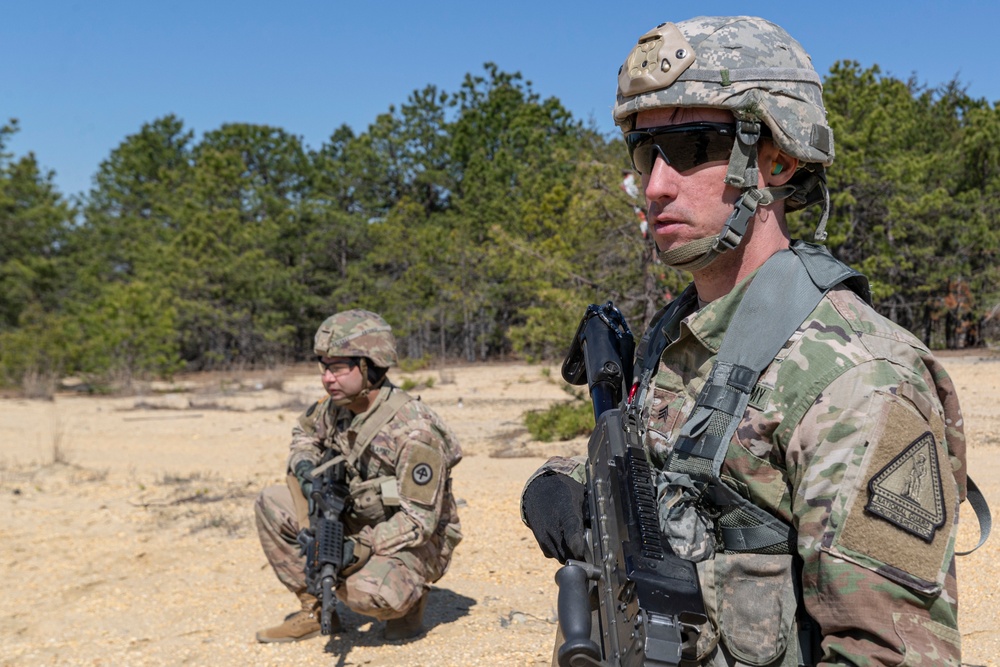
(82, 75)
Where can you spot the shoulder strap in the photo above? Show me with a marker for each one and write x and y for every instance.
(383, 415)
(779, 299)
(826, 271)
(758, 332)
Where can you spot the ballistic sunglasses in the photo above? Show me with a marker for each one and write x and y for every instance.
(338, 368)
(682, 146)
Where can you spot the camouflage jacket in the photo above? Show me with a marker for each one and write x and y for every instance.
(854, 438)
(400, 484)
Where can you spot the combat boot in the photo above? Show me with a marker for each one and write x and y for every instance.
(303, 624)
(410, 625)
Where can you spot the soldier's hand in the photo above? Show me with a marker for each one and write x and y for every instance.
(553, 508)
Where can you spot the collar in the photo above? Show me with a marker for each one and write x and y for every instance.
(710, 323)
(348, 421)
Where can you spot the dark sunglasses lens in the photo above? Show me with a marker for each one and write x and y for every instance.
(682, 149)
(335, 367)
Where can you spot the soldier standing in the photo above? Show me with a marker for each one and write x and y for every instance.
(401, 517)
(724, 120)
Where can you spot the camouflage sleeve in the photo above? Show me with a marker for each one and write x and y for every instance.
(307, 436)
(428, 449)
(876, 506)
(575, 467)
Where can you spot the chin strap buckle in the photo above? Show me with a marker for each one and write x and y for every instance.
(736, 225)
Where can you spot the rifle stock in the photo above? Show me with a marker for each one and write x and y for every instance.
(648, 602)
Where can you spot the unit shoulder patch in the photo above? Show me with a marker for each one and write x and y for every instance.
(899, 514)
(421, 475)
(907, 492)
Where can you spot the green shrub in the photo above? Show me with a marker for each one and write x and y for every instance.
(562, 421)
(411, 364)
(127, 331)
(408, 383)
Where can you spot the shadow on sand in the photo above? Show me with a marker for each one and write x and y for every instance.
(443, 606)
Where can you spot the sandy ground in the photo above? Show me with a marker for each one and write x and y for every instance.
(127, 537)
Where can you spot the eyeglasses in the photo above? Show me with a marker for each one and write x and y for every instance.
(337, 368)
(682, 146)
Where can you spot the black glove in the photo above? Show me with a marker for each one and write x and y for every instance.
(303, 473)
(553, 507)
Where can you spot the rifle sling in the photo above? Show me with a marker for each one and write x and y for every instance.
(382, 416)
(982, 509)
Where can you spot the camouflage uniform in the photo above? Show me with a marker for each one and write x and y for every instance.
(853, 435)
(401, 500)
(412, 539)
(849, 418)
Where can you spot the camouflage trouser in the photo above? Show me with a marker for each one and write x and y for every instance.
(386, 587)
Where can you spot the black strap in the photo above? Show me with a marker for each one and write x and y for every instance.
(978, 503)
(664, 329)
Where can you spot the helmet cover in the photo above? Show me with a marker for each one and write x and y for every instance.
(745, 65)
(357, 333)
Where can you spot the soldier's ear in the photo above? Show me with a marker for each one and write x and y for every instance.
(780, 169)
(375, 374)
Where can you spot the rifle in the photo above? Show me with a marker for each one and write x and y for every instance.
(322, 542)
(648, 602)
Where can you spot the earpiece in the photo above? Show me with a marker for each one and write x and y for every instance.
(776, 170)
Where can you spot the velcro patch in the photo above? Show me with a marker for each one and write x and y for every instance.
(421, 478)
(759, 396)
(902, 499)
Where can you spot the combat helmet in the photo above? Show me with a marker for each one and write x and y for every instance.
(754, 69)
(357, 333)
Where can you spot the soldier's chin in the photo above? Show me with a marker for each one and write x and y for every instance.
(341, 401)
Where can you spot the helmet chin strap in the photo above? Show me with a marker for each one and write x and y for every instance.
(696, 255)
(366, 386)
(741, 173)
(692, 256)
